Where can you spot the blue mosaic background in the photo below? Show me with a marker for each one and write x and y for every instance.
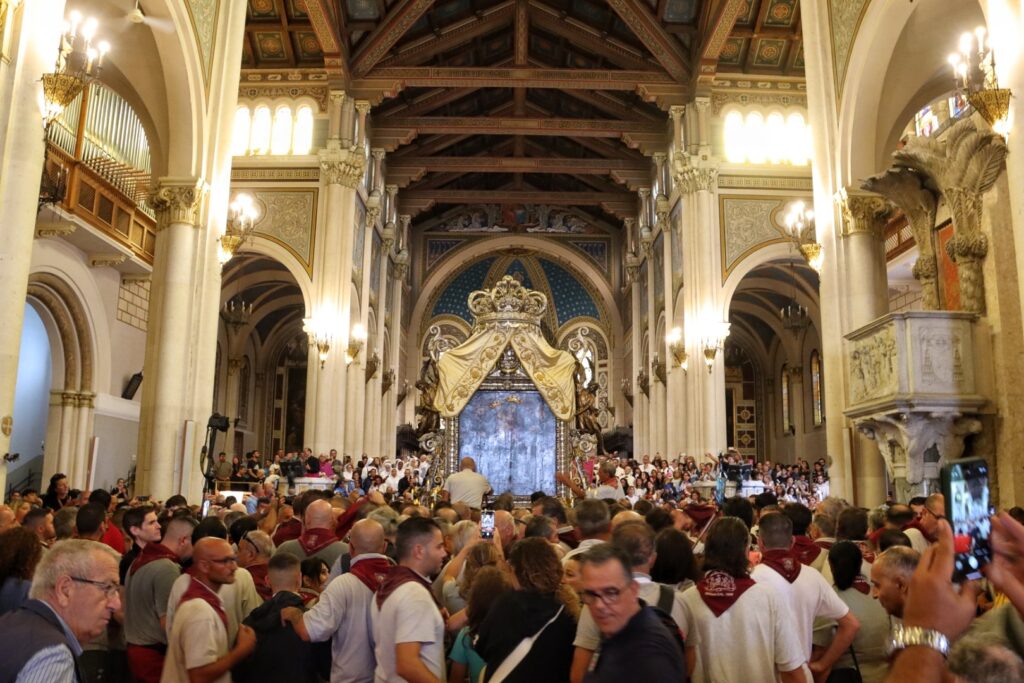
(453, 299)
(571, 298)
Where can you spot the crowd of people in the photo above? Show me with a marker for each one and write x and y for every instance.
(374, 583)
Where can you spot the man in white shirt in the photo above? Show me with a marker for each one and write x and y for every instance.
(803, 590)
(343, 611)
(467, 485)
(594, 524)
(408, 630)
(198, 645)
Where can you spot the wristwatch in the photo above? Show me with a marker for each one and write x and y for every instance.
(905, 636)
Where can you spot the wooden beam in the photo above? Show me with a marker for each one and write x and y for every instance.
(491, 164)
(395, 78)
(518, 197)
(637, 16)
(335, 49)
(499, 125)
(388, 32)
(452, 36)
(425, 103)
(719, 28)
(579, 33)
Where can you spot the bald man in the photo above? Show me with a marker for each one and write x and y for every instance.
(343, 612)
(318, 538)
(198, 647)
(467, 485)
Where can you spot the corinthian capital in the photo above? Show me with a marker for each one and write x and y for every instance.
(863, 213)
(342, 166)
(691, 179)
(177, 200)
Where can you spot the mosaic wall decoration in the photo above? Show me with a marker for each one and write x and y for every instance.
(747, 224)
(204, 24)
(437, 248)
(453, 299)
(598, 252)
(358, 245)
(571, 298)
(287, 217)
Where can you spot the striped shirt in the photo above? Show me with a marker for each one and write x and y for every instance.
(54, 664)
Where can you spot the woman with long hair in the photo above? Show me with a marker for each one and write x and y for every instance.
(456, 592)
(58, 494)
(489, 584)
(541, 607)
(21, 553)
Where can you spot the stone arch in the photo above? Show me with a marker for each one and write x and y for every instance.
(73, 324)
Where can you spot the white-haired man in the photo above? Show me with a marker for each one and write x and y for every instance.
(74, 593)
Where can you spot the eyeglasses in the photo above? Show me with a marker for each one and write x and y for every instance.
(608, 596)
(109, 588)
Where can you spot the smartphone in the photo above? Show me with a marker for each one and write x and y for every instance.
(206, 509)
(487, 524)
(965, 486)
(143, 499)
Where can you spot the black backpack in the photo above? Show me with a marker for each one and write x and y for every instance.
(663, 610)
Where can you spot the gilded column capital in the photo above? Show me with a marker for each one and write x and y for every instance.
(363, 106)
(177, 200)
(342, 166)
(692, 179)
(676, 111)
(337, 97)
(405, 219)
(377, 153)
(863, 213)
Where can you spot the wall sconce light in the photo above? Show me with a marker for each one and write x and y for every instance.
(242, 215)
(677, 348)
(713, 341)
(372, 366)
(11, 457)
(319, 334)
(799, 222)
(658, 369)
(356, 342)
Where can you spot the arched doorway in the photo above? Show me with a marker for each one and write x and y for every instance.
(31, 403)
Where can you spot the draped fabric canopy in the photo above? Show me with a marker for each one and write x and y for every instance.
(508, 315)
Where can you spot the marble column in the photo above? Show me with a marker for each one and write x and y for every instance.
(797, 407)
(32, 52)
(80, 470)
(866, 289)
(398, 272)
(231, 403)
(65, 449)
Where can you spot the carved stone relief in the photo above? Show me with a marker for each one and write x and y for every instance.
(747, 224)
(872, 366)
(287, 217)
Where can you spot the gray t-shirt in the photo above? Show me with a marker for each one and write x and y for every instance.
(328, 554)
(146, 593)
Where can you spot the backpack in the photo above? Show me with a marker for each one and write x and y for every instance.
(663, 610)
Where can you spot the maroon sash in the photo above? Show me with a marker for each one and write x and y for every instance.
(805, 549)
(315, 540)
(151, 553)
(399, 576)
(261, 580)
(720, 590)
(782, 561)
(197, 590)
(371, 570)
(861, 584)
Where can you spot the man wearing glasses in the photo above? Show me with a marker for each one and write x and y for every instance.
(198, 647)
(73, 595)
(635, 645)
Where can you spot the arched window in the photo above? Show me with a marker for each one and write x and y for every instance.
(302, 137)
(281, 140)
(240, 132)
(735, 137)
(787, 423)
(757, 151)
(259, 140)
(817, 399)
(772, 138)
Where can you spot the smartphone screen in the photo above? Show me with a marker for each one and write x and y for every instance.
(206, 509)
(487, 524)
(965, 485)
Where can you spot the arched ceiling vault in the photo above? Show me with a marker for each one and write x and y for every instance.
(764, 291)
(269, 288)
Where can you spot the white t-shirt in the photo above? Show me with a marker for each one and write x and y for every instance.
(343, 615)
(239, 599)
(197, 638)
(917, 540)
(757, 629)
(605, 491)
(409, 615)
(809, 597)
(583, 547)
(467, 487)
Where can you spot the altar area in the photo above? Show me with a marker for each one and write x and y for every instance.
(504, 397)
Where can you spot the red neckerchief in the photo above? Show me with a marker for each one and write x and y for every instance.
(865, 552)
(371, 569)
(805, 549)
(315, 540)
(399, 576)
(288, 531)
(151, 553)
(825, 545)
(916, 524)
(782, 561)
(861, 584)
(720, 590)
(349, 518)
(700, 514)
(261, 580)
(197, 590)
(309, 596)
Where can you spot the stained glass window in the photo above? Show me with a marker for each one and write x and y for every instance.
(784, 383)
(818, 399)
